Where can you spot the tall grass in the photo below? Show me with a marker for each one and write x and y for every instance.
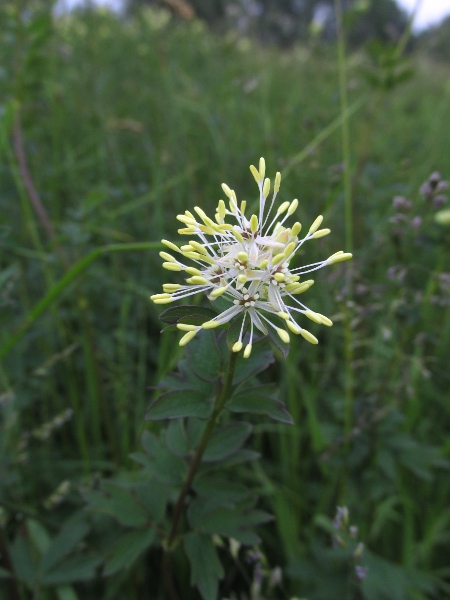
(126, 124)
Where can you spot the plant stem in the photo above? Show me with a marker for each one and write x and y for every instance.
(222, 396)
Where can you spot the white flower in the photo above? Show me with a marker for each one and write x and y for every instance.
(248, 262)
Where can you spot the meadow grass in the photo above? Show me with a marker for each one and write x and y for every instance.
(126, 124)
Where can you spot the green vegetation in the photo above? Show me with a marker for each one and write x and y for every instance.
(108, 130)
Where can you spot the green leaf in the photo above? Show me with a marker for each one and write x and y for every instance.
(127, 550)
(118, 503)
(73, 531)
(206, 569)
(65, 592)
(78, 568)
(154, 495)
(22, 559)
(165, 467)
(219, 490)
(179, 403)
(226, 440)
(235, 522)
(182, 437)
(259, 360)
(38, 535)
(244, 455)
(257, 401)
(185, 314)
(203, 356)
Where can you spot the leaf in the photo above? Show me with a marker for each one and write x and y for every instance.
(184, 379)
(203, 356)
(183, 437)
(233, 522)
(222, 491)
(4, 573)
(206, 569)
(165, 467)
(177, 314)
(38, 534)
(244, 455)
(65, 592)
(73, 531)
(119, 503)
(22, 560)
(154, 495)
(78, 568)
(258, 361)
(127, 550)
(179, 403)
(226, 440)
(257, 401)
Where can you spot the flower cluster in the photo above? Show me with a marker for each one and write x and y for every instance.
(246, 261)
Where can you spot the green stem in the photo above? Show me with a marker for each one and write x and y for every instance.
(222, 396)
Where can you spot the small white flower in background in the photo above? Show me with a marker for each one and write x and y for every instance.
(247, 262)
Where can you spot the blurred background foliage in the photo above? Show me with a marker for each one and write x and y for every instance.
(112, 125)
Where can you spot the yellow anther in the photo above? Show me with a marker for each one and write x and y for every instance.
(313, 316)
(279, 277)
(254, 223)
(207, 259)
(186, 327)
(186, 231)
(242, 256)
(302, 287)
(290, 287)
(186, 248)
(263, 264)
(170, 245)
(210, 324)
(237, 235)
(283, 208)
(293, 207)
(207, 230)
(189, 214)
(171, 287)
(296, 228)
(233, 206)
(339, 257)
(290, 248)
(171, 266)
(284, 315)
(295, 277)
(242, 278)
(163, 301)
(167, 256)
(199, 247)
(218, 292)
(159, 296)
(317, 223)
(243, 206)
(192, 255)
(248, 350)
(262, 168)
(276, 260)
(226, 189)
(325, 320)
(309, 337)
(266, 187)
(321, 233)
(186, 220)
(283, 335)
(187, 337)
(276, 185)
(255, 173)
(193, 271)
(294, 327)
(197, 280)
(221, 209)
(201, 213)
(237, 347)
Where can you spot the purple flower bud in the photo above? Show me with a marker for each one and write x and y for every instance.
(360, 572)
